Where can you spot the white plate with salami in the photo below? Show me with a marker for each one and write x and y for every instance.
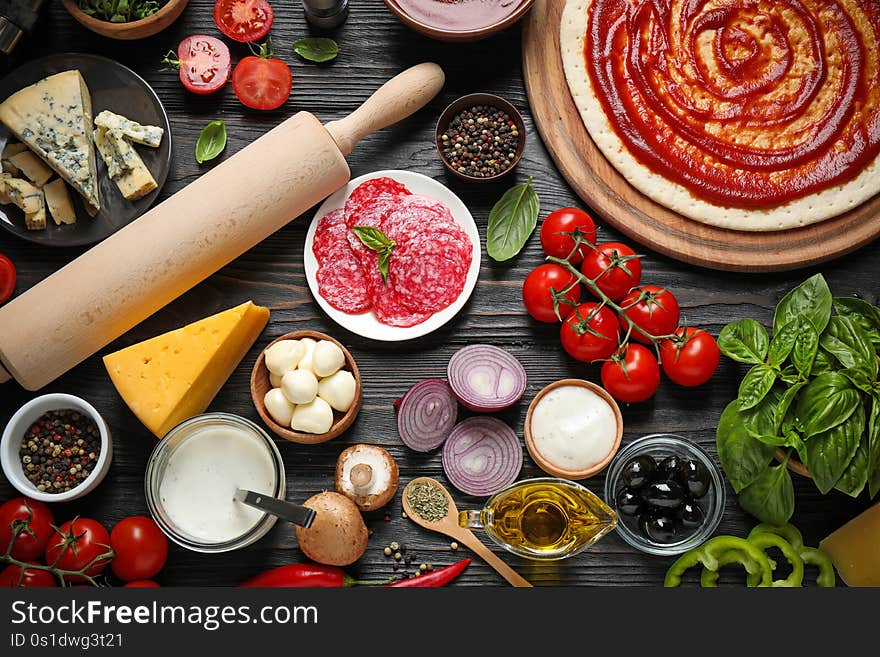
(392, 256)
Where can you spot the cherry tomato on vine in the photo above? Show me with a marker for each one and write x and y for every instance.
(77, 543)
(261, 81)
(538, 292)
(631, 376)
(203, 63)
(7, 278)
(11, 577)
(566, 220)
(590, 333)
(140, 546)
(142, 584)
(37, 520)
(653, 309)
(691, 358)
(243, 20)
(618, 265)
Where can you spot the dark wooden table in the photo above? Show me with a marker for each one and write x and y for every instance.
(374, 47)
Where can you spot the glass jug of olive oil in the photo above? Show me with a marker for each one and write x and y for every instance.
(544, 519)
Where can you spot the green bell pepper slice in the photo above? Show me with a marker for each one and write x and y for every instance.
(717, 548)
(709, 578)
(809, 555)
(765, 541)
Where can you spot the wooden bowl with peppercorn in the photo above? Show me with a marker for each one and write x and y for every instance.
(480, 137)
(56, 448)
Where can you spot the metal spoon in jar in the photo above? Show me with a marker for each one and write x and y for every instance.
(295, 513)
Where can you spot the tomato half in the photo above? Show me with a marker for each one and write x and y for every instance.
(691, 358)
(244, 20)
(631, 376)
(140, 546)
(545, 283)
(11, 577)
(653, 309)
(36, 520)
(204, 63)
(590, 333)
(7, 278)
(615, 268)
(76, 544)
(262, 82)
(567, 220)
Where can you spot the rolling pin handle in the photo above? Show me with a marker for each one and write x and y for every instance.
(395, 100)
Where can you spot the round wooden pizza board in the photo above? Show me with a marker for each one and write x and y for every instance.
(599, 184)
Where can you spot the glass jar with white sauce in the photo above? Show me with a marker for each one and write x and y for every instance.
(194, 473)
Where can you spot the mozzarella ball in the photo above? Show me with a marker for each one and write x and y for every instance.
(284, 356)
(299, 386)
(305, 362)
(279, 408)
(338, 390)
(328, 358)
(314, 417)
(274, 380)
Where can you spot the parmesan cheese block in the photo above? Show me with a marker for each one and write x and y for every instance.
(58, 202)
(124, 165)
(855, 549)
(174, 376)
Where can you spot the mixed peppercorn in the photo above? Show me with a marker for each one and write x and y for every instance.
(480, 142)
(60, 450)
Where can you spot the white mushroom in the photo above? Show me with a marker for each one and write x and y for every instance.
(284, 356)
(368, 475)
(274, 380)
(299, 386)
(305, 362)
(327, 359)
(338, 390)
(278, 407)
(314, 417)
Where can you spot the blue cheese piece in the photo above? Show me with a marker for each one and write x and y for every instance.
(135, 180)
(58, 202)
(54, 118)
(30, 199)
(32, 167)
(148, 135)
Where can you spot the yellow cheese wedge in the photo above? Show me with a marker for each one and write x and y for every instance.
(174, 376)
(855, 549)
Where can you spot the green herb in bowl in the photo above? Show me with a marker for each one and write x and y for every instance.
(120, 11)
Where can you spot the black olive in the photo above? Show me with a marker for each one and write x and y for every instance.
(691, 515)
(658, 528)
(693, 477)
(629, 502)
(664, 495)
(669, 468)
(638, 471)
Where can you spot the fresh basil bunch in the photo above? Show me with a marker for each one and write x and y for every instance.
(120, 11)
(812, 390)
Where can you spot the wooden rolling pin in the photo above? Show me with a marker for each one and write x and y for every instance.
(126, 278)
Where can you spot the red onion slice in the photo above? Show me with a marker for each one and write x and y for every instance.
(485, 378)
(481, 456)
(426, 415)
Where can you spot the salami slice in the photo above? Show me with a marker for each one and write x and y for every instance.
(372, 188)
(427, 274)
(341, 282)
(331, 236)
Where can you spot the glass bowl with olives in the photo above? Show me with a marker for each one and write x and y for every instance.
(667, 492)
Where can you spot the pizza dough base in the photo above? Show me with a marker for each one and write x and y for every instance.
(801, 212)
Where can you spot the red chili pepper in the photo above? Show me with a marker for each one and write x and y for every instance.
(300, 575)
(435, 578)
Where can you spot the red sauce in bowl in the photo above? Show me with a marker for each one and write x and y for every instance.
(459, 15)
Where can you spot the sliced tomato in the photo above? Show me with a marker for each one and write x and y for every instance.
(7, 278)
(204, 63)
(244, 20)
(261, 81)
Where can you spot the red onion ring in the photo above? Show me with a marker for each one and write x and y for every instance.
(426, 415)
(485, 378)
(481, 456)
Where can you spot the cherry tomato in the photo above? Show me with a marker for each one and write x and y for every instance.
(262, 82)
(633, 376)
(142, 584)
(590, 333)
(538, 289)
(566, 220)
(618, 265)
(243, 20)
(37, 520)
(10, 577)
(691, 358)
(203, 63)
(140, 546)
(77, 543)
(653, 309)
(7, 278)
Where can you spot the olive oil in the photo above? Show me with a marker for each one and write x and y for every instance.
(544, 518)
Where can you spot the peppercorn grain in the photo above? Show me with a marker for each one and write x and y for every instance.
(480, 142)
(59, 450)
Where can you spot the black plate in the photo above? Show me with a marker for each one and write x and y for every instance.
(118, 89)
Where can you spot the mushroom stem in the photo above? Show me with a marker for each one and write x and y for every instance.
(361, 475)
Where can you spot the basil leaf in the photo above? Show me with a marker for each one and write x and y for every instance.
(211, 142)
(811, 298)
(511, 221)
(760, 420)
(861, 313)
(855, 477)
(828, 400)
(874, 448)
(770, 498)
(745, 341)
(316, 49)
(828, 454)
(782, 343)
(755, 386)
(785, 403)
(806, 344)
(823, 363)
(742, 457)
(844, 340)
(373, 238)
(384, 258)
(860, 378)
(790, 375)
